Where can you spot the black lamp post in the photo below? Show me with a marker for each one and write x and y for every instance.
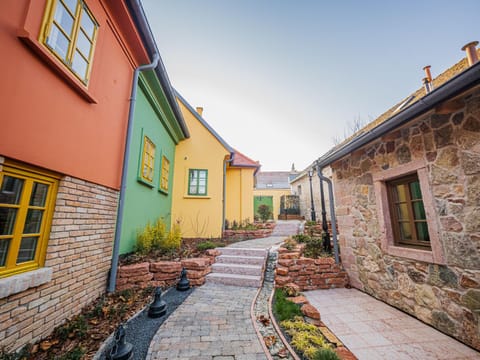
(312, 206)
(326, 236)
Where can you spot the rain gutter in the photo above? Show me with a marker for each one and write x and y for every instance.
(456, 85)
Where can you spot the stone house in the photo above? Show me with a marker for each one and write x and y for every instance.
(407, 193)
(301, 186)
(64, 117)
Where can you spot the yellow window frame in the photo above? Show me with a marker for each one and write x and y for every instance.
(148, 160)
(49, 21)
(165, 174)
(11, 267)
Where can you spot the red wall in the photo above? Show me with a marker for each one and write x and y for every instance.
(47, 117)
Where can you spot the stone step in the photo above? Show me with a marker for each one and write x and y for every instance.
(242, 251)
(245, 260)
(240, 269)
(234, 279)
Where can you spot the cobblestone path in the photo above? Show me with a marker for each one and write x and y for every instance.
(214, 322)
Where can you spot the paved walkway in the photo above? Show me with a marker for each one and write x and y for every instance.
(214, 322)
(374, 330)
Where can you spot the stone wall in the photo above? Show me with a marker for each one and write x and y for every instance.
(445, 291)
(247, 234)
(163, 273)
(77, 263)
(308, 274)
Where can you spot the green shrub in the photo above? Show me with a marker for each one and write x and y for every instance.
(159, 234)
(144, 239)
(264, 212)
(173, 240)
(325, 354)
(283, 308)
(301, 238)
(313, 248)
(206, 245)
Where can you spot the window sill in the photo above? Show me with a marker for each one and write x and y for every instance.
(410, 253)
(161, 191)
(56, 65)
(21, 282)
(145, 182)
(196, 197)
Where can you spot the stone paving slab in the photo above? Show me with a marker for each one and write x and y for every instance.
(213, 323)
(372, 329)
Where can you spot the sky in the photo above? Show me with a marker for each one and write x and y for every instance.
(279, 80)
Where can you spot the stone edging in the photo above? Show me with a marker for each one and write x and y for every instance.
(277, 327)
(254, 322)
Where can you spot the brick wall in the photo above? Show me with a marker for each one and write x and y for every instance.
(79, 256)
(444, 292)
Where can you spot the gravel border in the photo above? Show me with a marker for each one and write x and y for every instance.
(141, 329)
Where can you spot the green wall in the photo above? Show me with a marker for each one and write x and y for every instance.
(145, 202)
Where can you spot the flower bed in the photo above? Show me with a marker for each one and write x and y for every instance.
(164, 273)
(308, 273)
(254, 231)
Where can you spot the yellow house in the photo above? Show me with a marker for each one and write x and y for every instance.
(269, 187)
(240, 178)
(207, 178)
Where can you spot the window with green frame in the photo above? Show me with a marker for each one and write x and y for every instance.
(165, 173)
(27, 201)
(70, 33)
(409, 220)
(197, 182)
(148, 160)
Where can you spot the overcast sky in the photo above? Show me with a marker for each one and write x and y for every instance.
(279, 80)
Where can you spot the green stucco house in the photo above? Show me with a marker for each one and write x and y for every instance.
(157, 128)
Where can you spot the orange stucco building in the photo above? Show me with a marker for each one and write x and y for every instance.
(67, 72)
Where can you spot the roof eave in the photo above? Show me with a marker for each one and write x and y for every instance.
(205, 124)
(456, 85)
(140, 19)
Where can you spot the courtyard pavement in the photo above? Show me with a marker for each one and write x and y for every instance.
(373, 330)
(214, 322)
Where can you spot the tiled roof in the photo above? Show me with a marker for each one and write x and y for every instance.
(272, 180)
(409, 100)
(241, 160)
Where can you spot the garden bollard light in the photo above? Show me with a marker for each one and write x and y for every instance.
(184, 283)
(158, 307)
(121, 349)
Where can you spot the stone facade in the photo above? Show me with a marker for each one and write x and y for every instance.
(301, 187)
(308, 274)
(441, 287)
(76, 266)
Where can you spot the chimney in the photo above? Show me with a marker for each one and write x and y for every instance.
(200, 110)
(471, 51)
(427, 80)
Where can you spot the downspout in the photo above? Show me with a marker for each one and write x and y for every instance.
(332, 212)
(123, 187)
(224, 196)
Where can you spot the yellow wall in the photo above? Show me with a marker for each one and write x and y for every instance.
(239, 199)
(276, 194)
(199, 216)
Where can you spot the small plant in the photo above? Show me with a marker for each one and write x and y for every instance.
(173, 240)
(20, 355)
(283, 308)
(310, 223)
(301, 238)
(289, 244)
(264, 212)
(234, 225)
(325, 354)
(313, 248)
(227, 224)
(145, 239)
(206, 245)
(75, 354)
(159, 233)
(306, 337)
